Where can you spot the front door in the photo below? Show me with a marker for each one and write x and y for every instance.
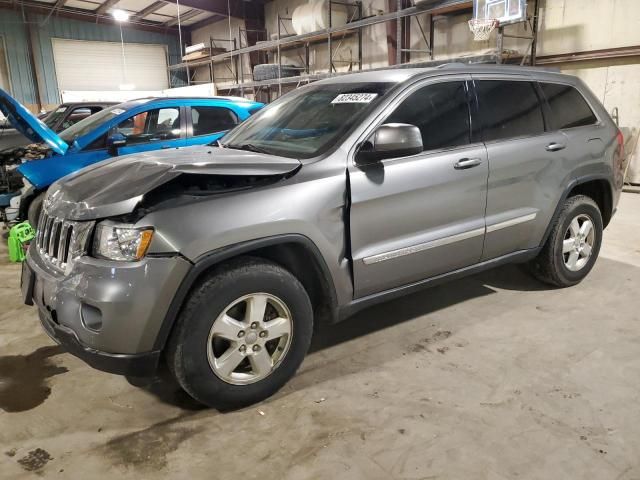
(152, 130)
(420, 216)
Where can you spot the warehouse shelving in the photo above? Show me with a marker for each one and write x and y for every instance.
(283, 42)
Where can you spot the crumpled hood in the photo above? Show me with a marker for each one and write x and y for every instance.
(116, 186)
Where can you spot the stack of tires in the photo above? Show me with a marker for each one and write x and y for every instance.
(269, 71)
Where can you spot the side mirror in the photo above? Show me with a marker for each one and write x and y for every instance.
(389, 141)
(114, 142)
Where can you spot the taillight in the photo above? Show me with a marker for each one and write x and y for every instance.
(618, 160)
(620, 140)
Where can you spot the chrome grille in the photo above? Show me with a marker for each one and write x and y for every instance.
(59, 241)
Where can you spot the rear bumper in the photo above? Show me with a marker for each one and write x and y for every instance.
(135, 365)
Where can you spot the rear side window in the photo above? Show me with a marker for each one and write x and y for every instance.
(568, 107)
(509, 109)
(207, 120)
(440, 111)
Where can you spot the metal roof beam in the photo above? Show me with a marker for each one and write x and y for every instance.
(214, 6)
(148, 10)
(106, 6)
(183, 18)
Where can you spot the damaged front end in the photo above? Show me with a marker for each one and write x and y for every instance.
(134, 185)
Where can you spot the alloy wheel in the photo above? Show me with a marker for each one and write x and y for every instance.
(579, 240)
(250, 338)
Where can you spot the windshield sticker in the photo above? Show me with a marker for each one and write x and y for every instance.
(354, 98)
(117, 111)
(61, 109)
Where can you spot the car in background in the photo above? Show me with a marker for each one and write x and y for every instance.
(131, 127)
(59, 119)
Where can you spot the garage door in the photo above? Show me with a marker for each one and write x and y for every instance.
(85, 65)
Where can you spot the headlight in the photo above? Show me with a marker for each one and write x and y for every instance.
(121, 242)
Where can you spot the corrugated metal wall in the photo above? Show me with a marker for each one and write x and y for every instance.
(15, 33)
(15, 38)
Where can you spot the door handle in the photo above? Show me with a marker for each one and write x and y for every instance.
(465, 163)
(164, 147)
(555, 147)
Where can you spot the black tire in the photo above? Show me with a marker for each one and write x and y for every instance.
(549, 266)
(35, 208)
(187, 348)
(268, 71)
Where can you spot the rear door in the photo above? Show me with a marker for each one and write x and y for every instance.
(528, 163)
(422, 215)
(208, 123)
(570, 113)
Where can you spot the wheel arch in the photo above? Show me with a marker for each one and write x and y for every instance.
(297, 253)
(597, 187)
(25, 203)
(600, 191)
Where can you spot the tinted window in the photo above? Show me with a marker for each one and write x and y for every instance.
(151, 126)
(208, 120)
(441, 113)
(509, 109)
(568, 107)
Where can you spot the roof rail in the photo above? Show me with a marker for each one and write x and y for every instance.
(450, 64)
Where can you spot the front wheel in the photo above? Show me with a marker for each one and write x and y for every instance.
(241, 335)
(573, 244)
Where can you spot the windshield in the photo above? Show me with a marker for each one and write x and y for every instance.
(52, 119)
(308, 121)
(90, 123)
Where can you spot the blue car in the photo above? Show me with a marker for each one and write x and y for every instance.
(130, 127)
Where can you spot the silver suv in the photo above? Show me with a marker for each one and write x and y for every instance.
(220, 260)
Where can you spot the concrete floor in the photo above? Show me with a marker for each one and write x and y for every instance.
(491, 377)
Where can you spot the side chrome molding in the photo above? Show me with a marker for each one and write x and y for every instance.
(401, 252)
(511, 222)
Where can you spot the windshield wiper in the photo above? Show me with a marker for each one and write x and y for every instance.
(249, 147)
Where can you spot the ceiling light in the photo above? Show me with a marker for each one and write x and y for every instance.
(120, 15)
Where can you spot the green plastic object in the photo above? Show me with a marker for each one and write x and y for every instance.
(19, 236)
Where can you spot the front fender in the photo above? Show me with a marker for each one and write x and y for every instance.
(213, 258)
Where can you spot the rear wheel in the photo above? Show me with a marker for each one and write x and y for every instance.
(242, 334)
(573, 245)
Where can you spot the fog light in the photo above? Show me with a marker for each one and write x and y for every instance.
(91, 317)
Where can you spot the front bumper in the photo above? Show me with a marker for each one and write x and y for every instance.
(106, 313)
(135, 365)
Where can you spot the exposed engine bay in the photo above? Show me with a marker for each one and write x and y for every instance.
(12, 158)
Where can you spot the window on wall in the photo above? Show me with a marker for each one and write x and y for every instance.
(4, 67)
(509, 109)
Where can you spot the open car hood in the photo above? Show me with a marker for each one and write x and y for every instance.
(26, 123)
(117, 186)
